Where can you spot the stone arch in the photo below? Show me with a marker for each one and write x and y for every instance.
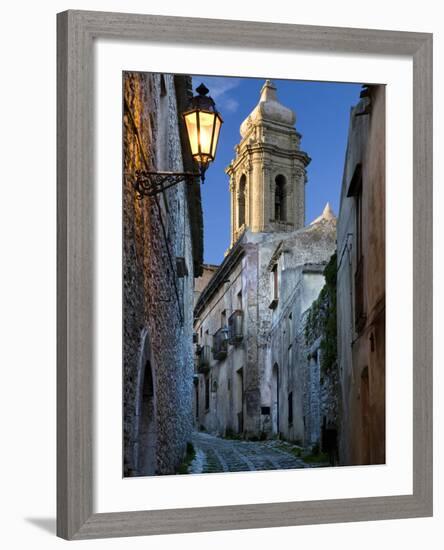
(145, 448)
(280, 198)
(275, 398)
(241, 201)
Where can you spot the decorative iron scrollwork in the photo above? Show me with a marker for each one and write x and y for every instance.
(148, 184)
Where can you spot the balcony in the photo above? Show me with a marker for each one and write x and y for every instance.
(203, 359)
(235, 327)
(220, 344)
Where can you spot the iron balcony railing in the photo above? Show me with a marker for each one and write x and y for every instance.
(220, 344)
(235, 327)
(203, 358)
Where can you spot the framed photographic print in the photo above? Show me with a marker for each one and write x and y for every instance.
(244, 275)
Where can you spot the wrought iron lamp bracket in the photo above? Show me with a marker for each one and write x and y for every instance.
(148, 184)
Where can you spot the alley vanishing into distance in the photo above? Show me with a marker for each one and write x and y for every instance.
(274, 358)
(216, 454)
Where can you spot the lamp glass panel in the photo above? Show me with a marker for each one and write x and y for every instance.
(206, 131)
(191, 123)
(216, 136)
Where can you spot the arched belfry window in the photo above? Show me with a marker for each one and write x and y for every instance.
(280, 198)
(241, 201)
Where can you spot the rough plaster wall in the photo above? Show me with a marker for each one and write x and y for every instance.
(366, 144)
(149, 294)
(224, 406)
(357, 138)
(267, 335)
(311, 246)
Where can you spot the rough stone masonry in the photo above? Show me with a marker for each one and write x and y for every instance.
(157, 298)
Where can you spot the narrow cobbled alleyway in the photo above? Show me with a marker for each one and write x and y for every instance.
(216, 454)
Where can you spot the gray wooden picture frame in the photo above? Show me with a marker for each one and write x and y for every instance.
(77, 31)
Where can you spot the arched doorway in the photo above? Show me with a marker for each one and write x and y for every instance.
(146, 414)
(275, 398)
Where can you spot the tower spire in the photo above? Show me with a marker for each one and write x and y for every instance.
(268, 91)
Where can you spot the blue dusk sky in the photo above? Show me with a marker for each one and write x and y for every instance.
(322, 117)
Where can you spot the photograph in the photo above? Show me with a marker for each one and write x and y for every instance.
(254, 260)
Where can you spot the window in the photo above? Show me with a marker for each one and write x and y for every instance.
(290, 409)
(290, 328)
(355, 191)
(290, 358)
(280, 199)
(359, 274)
(207, 393)
(163, 90)
(235, 327)
(275, 282)
(239, 300)
(274, 286)
(223, 318)
(358, 221)
(241, 202)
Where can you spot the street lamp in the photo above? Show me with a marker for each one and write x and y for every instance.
(202, 123)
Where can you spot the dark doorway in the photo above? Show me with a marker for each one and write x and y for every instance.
(240, 400)
(275, 398)
(147, 425)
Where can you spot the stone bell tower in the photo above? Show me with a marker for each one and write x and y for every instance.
(268, 175)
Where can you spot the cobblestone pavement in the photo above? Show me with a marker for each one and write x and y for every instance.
(215, 454)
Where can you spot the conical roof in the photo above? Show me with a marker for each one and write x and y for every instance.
(268, 109)
(327, 214)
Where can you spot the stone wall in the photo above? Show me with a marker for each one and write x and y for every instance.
(157, 303)
(300, 264)
(200, 283)
(321, 380)
(361, 284)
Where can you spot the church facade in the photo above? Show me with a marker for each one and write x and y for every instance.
(255, 373)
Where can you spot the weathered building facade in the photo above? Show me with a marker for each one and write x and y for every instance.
(250, 319)
(361, 284)
(162, 253)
